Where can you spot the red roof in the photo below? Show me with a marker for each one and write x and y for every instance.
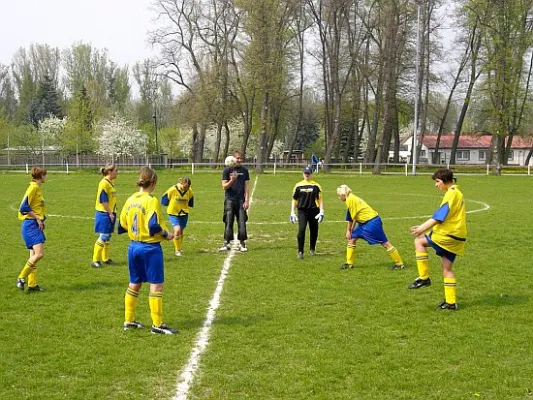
(474, 142)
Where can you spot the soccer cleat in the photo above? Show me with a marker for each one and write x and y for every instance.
(420, 283)
(96, 264)
(347, 266)
(225, 247)
(300, 255)
(35, 288)
(20, 283)
(109, 262)
(178, 253)
(133, 325)
(164, 329)
(447, 306)
(242, 247)
(397, 266)
(312, 252)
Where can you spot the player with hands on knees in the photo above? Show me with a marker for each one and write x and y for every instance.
(369, 228)
(307, 208)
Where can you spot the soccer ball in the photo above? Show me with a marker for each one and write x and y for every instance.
(230, 161)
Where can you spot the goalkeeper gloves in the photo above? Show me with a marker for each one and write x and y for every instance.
(320, 216)
(294, 218)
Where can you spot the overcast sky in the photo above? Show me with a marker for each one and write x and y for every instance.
(119, 25)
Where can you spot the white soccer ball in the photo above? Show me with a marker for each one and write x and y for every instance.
(230, 161)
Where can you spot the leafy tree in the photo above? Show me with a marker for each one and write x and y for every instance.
(118, 137)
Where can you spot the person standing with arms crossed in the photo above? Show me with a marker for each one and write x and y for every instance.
(307, 199)
(235, 182)
(445, 231)
(32, 213)
(105, 215)
(141, 219)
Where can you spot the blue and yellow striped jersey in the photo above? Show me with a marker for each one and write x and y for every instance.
(178, 202)
(33, 200)
(106, 194)
(141, 218)
(450, 233)
(358, 210)
(306, 195)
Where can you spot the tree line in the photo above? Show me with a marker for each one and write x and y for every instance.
(338, 78)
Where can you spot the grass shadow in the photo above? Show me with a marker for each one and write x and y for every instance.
(497, 300)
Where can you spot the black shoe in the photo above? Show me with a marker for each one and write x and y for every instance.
(35, 288)
(447, 306)
(300, 255)
(20, 283)
(109, 262)
(133, 325)
(419, 283)
(164, 329)
(347, 266)
(96, 264)
(397, 266)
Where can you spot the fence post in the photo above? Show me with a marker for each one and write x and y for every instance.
(529, 169)
(274, 168)
(67, 167)
(487, 169)
(360, 168)
(192, 168)
(406, 171)
(27, 169)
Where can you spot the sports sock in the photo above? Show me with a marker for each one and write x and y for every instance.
(422, 263)
(32, 277)
(130, 300)
(449, 290)
(27, 270)
(350, 253)
(105, 252)
(156, 307)
(178, 241)
(395, 255)
(98, 250)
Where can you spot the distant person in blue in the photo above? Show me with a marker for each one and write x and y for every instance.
(314, 163)
(236, 196)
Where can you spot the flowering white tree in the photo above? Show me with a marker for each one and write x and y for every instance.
(52, 129)
(118, 137)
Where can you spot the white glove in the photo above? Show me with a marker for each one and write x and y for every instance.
(294, 218)
(320, 216)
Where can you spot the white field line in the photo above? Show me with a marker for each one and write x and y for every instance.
(484, 207)
(188, 373)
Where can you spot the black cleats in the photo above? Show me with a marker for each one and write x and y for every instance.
(420, 283)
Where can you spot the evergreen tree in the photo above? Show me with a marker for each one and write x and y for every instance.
(49, 99)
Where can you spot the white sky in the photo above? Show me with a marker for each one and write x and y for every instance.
(120, 26)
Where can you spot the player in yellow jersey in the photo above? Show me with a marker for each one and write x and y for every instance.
(307, 199)
(369, 228)
(179, 198)
(141, 219)
(32, 213)
(445, 231)
(105, 215)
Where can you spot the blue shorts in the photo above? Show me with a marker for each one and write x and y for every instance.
(102, 222)
(145, 262)
(180, 221)
(440, 251)
(371, 231)
(31, 233)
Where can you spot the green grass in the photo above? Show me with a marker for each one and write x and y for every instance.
(285, 329)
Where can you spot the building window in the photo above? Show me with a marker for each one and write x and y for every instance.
(511, 155)
(422, 153)
(482, 155)
(463, 155)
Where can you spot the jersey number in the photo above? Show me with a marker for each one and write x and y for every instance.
(135, 225)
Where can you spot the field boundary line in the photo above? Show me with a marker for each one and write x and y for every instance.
(189, 371)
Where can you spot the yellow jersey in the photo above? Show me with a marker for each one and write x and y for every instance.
(178, 202)
(358, 210)
(141, 218)
(33, 200)
(106, 194)
(450, 233)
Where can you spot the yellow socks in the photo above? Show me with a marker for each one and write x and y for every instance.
(422, 264)
(449, 290)
(98, 250)
(105, 252)
(350, 253)
(130, 300)
(156, 308)
(395, 255)
(178, 242)
(27, 270)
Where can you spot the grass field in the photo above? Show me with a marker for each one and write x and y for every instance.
(285, 328)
